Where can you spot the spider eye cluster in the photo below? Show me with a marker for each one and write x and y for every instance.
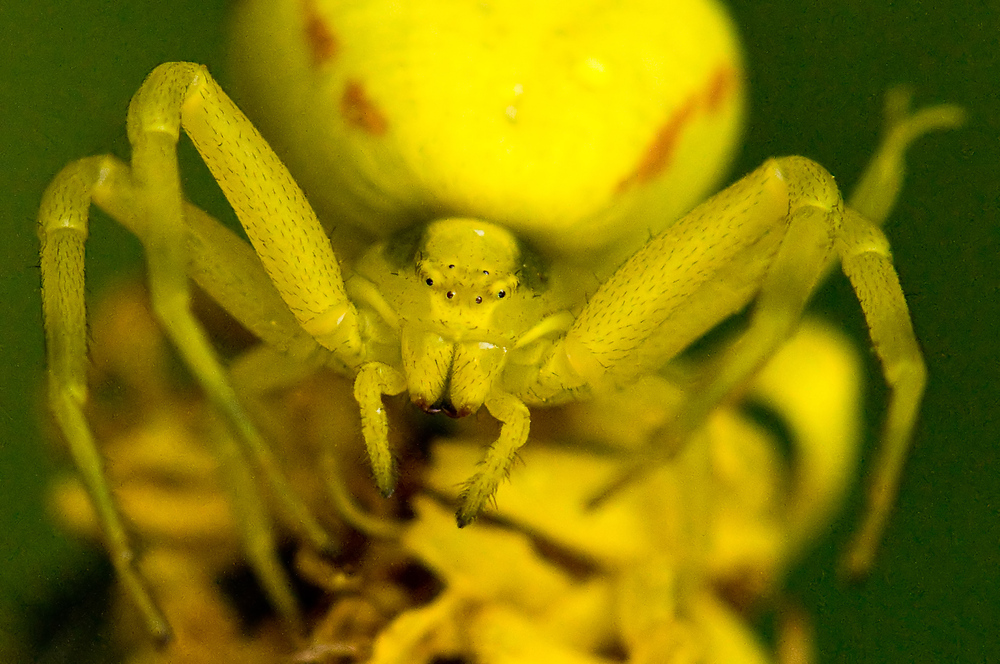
(470, 286)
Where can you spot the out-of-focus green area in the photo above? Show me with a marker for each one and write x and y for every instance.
(818, 72)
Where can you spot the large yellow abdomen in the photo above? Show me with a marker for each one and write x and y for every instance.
(581, 126)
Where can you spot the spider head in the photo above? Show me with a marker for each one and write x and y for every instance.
(467, 265)
(469, 276)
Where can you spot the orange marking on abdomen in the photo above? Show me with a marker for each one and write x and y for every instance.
(361, 112)
(657, 157)
(322, 42)
(720, 88)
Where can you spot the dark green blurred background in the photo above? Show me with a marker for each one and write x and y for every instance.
(67, 70)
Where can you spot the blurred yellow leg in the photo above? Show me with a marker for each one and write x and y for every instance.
(349, 511)
(254, 526)
(374, 381)
(63, 226)
(878, 188)
(63, 221)
(864, 255)
(155, 116)
(823, 415)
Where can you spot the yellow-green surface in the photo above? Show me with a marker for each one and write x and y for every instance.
(817, 76)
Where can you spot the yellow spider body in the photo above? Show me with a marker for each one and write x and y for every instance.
(570, 133)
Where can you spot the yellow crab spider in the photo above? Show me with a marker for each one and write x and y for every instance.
(456, 309)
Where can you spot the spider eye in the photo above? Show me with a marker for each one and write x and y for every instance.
(451, 294)
(502, 294)
(479, 299)
(429, 281)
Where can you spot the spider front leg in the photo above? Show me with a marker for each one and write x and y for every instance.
(514, 419)
(295, 253)
(289, 241)
(767, 239)
(107, 182)
(375, 380)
